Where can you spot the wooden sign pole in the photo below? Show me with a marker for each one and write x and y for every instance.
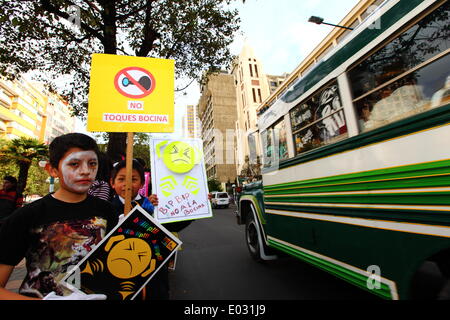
(129, 172)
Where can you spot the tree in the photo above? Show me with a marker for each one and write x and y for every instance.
(22, 151)
(214, 185)
(58, 37)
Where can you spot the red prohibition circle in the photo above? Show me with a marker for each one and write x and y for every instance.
(134, 82)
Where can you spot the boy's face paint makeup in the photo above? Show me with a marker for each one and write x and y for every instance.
(78, 169)
(119, 183)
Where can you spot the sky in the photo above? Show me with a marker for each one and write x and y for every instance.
(279, 33)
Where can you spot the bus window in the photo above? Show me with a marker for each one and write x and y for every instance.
(319, 120)
(274, 141)
(401, 78)
(267, 146)
(253, 154)
(412, 94)
(279, 131)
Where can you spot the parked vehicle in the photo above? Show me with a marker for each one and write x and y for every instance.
(220, 199)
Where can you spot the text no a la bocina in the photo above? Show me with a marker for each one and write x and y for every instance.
(180, 205)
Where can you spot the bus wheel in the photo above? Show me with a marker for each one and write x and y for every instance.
(252, 238)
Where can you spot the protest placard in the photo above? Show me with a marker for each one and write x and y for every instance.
(179, 180)
(131, 94)
(126, 259)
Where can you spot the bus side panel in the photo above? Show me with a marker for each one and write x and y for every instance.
(341, 248)
(385, 205)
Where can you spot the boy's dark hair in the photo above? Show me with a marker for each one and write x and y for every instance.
(60, 145)
(122, 164)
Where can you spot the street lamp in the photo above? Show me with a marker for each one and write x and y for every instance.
(319, 20)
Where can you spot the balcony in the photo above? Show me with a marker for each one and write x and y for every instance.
(5, 100)
(6, 114)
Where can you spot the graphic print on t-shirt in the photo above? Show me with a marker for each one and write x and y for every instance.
(59, 246)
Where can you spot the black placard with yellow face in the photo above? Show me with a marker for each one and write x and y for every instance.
(126, 259)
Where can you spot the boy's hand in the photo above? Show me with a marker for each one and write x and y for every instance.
(153, 198)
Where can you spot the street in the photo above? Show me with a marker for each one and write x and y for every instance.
(214, 264)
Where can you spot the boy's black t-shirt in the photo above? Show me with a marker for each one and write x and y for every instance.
(53, 236)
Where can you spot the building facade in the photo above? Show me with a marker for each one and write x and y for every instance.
(253, 86)
(28, 110)
(217, 112)
(191, 123)
(59, 119)
(22, 110)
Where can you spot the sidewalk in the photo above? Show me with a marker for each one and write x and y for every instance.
(16, 278)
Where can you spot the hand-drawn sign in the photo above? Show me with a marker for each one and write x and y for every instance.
(134, 82)
(179, 180)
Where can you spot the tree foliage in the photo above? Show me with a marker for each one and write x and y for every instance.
(214, 185)
(22, 152)
(59, 36)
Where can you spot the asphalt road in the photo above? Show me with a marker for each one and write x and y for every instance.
(215, 265)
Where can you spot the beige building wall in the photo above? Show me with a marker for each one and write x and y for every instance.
(217, 112)
(59, 119)
(252, 88)
(191, 123)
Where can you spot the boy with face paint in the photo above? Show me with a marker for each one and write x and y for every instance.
(57, 231)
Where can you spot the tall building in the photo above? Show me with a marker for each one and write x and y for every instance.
(59, 120)
(191, 123)
(275, 81)
(217, 111)
(28, 110)
(253, 86)
(22, 110)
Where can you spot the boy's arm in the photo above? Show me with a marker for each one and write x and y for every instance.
(5, 273)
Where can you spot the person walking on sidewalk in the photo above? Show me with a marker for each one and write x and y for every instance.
(10, 200)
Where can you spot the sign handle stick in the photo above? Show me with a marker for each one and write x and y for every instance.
(129, 172)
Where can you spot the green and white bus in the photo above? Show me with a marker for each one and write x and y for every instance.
(356, 154)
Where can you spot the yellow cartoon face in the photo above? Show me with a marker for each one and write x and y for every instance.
(179, 157)
(129, 258)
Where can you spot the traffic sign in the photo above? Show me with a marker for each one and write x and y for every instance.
(131, 94)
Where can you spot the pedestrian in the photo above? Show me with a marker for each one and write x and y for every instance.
(10, 199)
(56, 232)
(158, 287)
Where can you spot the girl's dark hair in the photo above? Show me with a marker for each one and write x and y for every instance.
(104, 167)
(60, 145)
(122, 164)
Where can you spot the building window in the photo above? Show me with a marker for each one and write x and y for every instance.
(256, 71)
(259, 95)
(254, 95)
(251, 70)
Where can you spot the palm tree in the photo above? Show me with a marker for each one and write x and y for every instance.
(22, 151)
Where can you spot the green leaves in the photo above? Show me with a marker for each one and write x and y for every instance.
(58, 37)
(21, 152)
